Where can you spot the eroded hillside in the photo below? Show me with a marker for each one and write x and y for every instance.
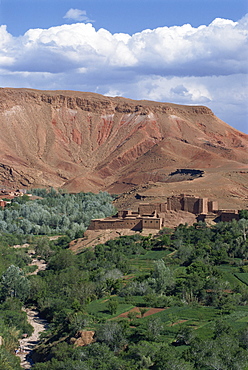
(88, 142)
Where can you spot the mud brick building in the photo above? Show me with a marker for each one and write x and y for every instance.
(152, 216)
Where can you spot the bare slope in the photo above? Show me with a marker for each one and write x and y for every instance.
(85, 141)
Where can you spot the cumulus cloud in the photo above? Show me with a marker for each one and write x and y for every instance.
(77, 15)
(180, 64)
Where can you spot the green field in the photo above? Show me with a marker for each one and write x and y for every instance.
(230, 274)
(155, 254)
(242, 276)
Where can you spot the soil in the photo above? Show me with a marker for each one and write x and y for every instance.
(178, 322)
(226, 185)
(41, 265)
(149, 312)
(93, 237)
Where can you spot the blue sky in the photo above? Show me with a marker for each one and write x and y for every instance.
(180, 51)
(128, 16)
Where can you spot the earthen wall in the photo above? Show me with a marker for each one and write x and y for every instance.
(187, 203)
(229, 216)
(213, 206)
(191, 204)
(149, 208)
(115, 224)
(174, 203)
(203, 206)
(152, 223)
(152, 215)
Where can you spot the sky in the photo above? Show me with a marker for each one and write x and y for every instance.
(190, 52)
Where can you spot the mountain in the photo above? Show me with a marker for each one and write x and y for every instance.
(88, 142)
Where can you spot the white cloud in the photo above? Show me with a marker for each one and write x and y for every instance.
(77, 15)
(185, 65)
(5, 37)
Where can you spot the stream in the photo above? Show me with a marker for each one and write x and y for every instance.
(27, 344)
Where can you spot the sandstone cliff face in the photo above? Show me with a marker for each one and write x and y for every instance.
(88, 142)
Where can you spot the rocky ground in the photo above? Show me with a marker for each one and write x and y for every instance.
(27, 344)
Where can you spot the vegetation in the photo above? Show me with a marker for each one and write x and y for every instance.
(14, 290)
(194, 292)
(177, 300)
(54, 213)
(51, 213)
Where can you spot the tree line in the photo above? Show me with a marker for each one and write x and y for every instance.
(54, 212)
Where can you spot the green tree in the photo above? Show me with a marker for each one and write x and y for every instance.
(112, 334)
(132, 315)
(163, 277)
(112, 306)
(61, 260)
(243, 338)
(143, 353)
(43, 248)
(185, 335)
(15, 284)
(153, 329)
(143, 311)
(243, 214)
(167, 358)
(221, 327)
